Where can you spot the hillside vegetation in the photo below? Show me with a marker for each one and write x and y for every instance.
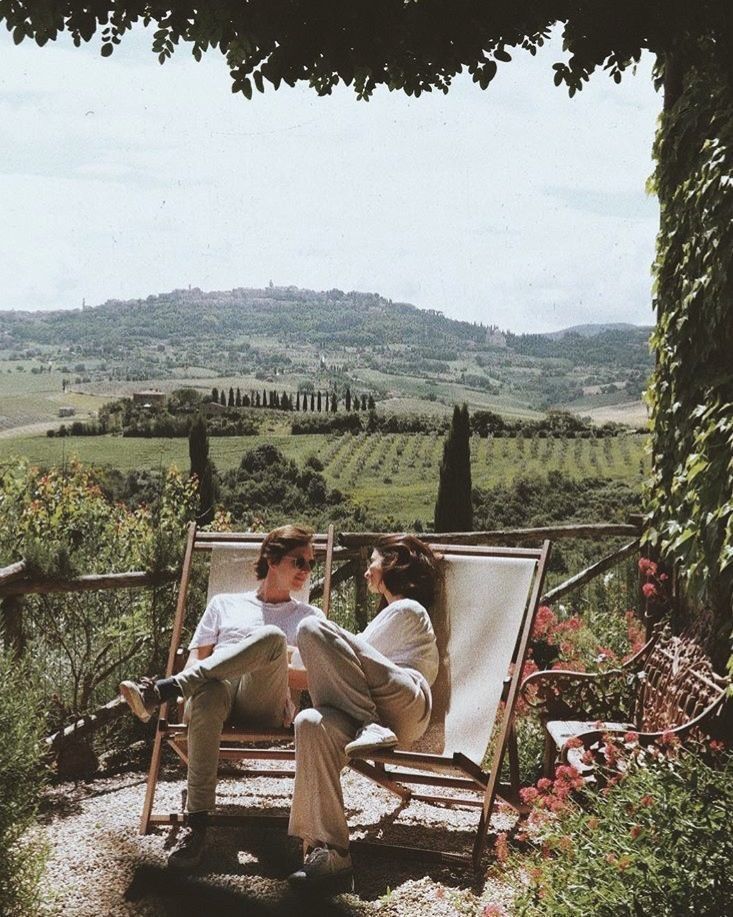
(293, 339)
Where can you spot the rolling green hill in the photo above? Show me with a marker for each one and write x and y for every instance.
(285, 337)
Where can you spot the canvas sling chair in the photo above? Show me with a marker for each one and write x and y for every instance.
(482, 618)
(232, 558)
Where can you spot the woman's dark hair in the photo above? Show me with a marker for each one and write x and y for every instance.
(279, 542)
(409, 567)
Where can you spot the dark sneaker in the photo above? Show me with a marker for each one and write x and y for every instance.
(142, 697)
(325, 867)
(372, 737)
(189, 850)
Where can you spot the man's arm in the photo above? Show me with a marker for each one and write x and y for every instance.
(198, 653)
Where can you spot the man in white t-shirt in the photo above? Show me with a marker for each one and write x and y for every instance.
(239, 667)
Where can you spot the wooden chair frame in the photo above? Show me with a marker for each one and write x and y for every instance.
(458, 771)
(406, 768)
(236, 743)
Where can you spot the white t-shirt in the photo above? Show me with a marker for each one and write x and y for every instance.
(232, 616)
(404, 634)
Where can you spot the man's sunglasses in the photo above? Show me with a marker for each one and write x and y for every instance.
(302, 563)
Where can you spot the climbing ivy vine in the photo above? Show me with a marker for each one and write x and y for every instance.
(691, 392)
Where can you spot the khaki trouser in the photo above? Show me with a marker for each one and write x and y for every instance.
(246, 681)
(350, 684)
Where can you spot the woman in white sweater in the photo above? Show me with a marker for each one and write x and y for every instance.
(370, 691)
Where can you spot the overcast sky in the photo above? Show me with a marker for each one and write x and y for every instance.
(516, 206)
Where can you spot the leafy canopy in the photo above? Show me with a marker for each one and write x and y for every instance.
(410, 45)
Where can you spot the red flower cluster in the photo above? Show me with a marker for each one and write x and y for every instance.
(549, 628)
(653, 588)
(552, 795)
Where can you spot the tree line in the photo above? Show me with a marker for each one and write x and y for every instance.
(313, 401)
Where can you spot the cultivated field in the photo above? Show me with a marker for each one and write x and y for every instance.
(391, 473)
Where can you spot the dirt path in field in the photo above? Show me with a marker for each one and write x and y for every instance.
(30, 428)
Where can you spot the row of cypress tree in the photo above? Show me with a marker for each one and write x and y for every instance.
(319, 402)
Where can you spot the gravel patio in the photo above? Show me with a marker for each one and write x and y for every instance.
(99, 866)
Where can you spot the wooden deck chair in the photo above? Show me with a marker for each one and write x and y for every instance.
(231, 569)
(482, 619)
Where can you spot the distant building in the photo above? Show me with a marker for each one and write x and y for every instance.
(67, 411)
(213, 407)
(149, 398)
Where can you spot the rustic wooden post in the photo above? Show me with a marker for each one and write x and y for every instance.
(361, 592)
(12, 621)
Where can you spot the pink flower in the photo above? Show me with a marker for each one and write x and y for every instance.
(646, 800)
(647, 567)
(668, 739)
(631, 737)
(529, 794)
(574, 742)
(635, 832)
(493, 910)
(501, 847)
(649, 590)
(544, 784)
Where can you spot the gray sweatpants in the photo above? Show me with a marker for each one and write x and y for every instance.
(350, 684)
(246, 681)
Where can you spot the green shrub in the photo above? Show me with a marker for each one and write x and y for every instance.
(21, 779)
(658, 843)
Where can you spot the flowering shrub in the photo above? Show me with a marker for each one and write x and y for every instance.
(63, 524)
(655, 841)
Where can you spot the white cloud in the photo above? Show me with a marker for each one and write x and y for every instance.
(517, 206)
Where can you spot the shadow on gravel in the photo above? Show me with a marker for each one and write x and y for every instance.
(252, 855)
(181, 896)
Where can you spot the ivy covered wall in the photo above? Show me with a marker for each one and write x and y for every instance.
(691, 392)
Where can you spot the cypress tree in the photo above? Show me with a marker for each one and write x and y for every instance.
(347, 399)
(372, 405)
(231, 397)
(319, 401)
(305, 401)
(198, 452)
(363, 402)
(222, 398)
(313, 401)
(297, 401)
(238, 398)
(334, 405)
(453, 508)
(264, 397)
(215, 394)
